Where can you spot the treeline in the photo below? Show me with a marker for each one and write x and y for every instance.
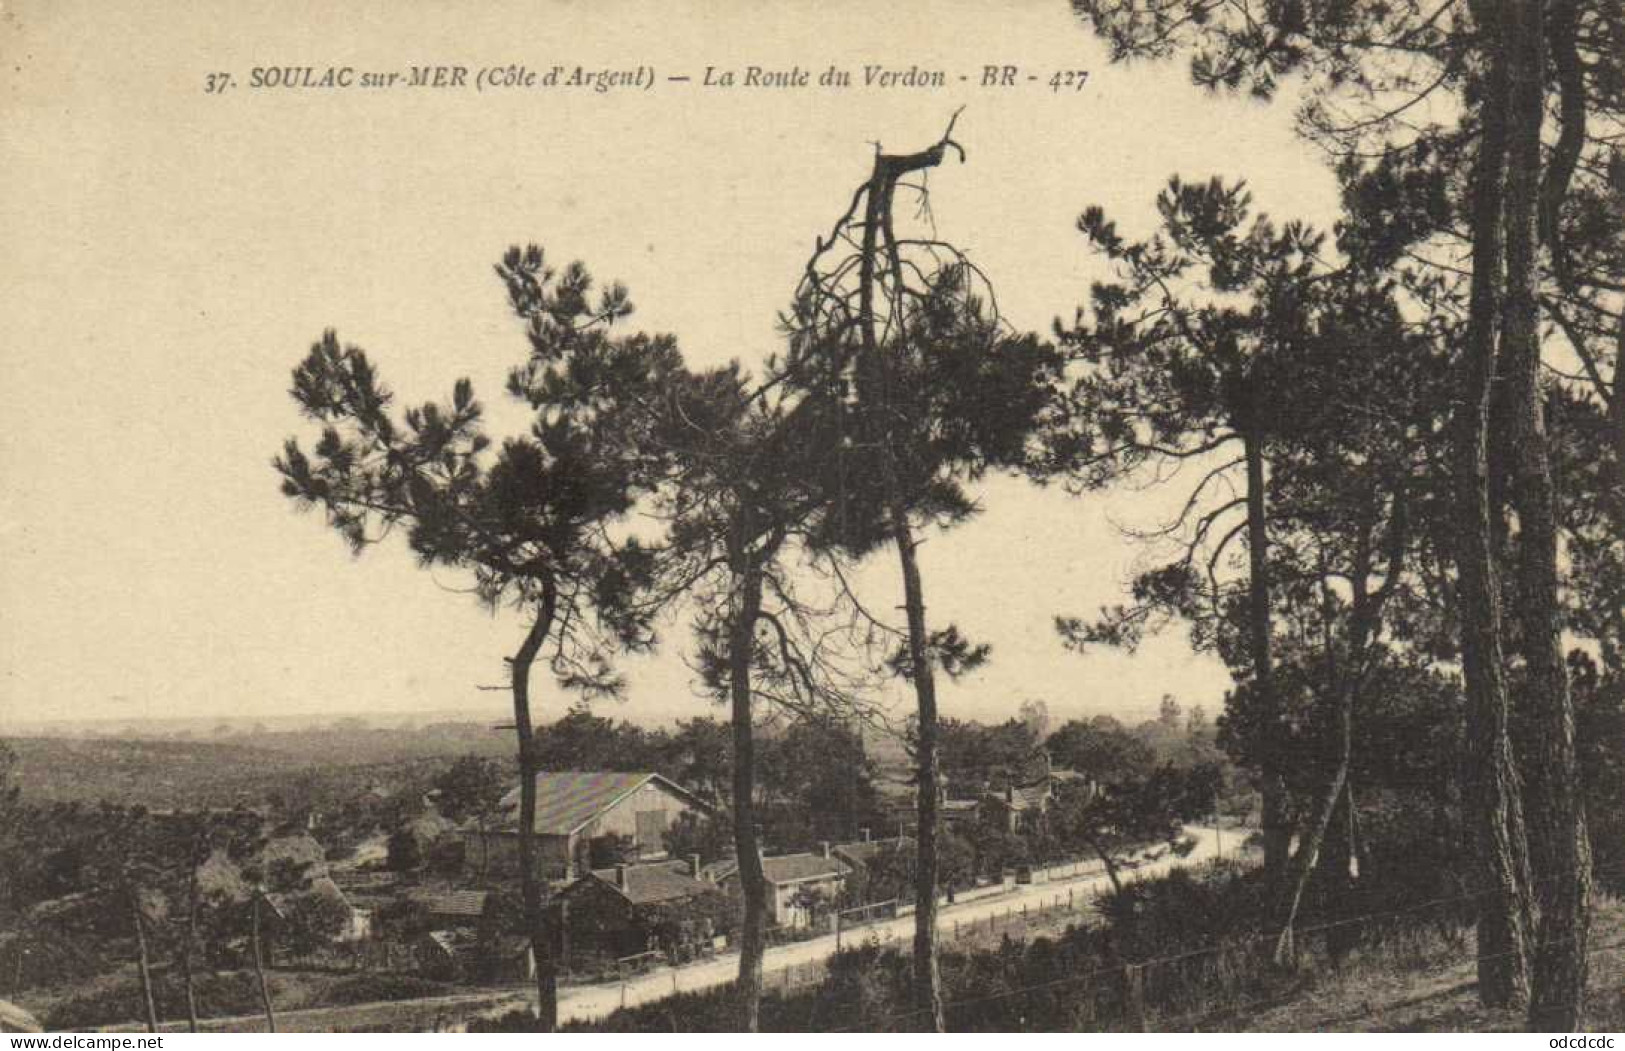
(818, 783)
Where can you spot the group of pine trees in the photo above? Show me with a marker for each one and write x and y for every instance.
(1407, 440)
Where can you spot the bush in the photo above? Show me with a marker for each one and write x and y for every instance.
(119, 1000)
(368, 988)
(516, 1021)
(1201, 926)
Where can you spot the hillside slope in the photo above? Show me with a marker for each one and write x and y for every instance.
(1372, 996)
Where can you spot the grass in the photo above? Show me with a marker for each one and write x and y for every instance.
(1429, 986)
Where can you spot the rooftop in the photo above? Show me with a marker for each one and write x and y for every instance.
(566, 800)
(786, 868)
(1023, 797)
(652, 884)
(865, 851)
(469, 903)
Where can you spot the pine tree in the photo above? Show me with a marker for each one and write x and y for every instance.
(527, 521)
(901, 332)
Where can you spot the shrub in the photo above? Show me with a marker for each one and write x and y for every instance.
(119, 1000)
(368, 988)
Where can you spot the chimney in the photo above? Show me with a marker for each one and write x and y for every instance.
(620, 876)
(825, 845)
(865, 833)
(694, 865)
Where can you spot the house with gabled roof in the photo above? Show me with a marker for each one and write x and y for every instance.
(1018, 806)
(628, 909)
(461, 954)
(574, 808)
(801, 887)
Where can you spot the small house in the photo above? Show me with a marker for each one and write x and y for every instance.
(630, 909)
(575, 808)
(803, 888)
(1017, 807)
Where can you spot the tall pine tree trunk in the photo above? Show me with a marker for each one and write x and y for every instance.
(1492, 799)
(874, 362)
(1559, 850)
(541, 948)
(1277, 828)
(259, 965)
(142, 960)
(1617, 410)
(188, 942)
(927, 979)
(746, 570)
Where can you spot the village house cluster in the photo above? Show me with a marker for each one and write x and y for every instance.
(620, 898)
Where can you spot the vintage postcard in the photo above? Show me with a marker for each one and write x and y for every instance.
(1093, 516)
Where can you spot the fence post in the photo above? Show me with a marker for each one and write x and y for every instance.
(674, 979)
(1134, 996)
(623, 992)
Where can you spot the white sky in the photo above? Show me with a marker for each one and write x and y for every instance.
(169, 256)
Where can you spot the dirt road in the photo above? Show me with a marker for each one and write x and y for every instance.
(585, 1003)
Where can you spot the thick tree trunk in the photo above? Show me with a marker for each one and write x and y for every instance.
(259, 967)
(873, 361)
(142, 960)
(1560, 854)
(1276, 827)
(1492, 800)
(927, 979)
(1617, 411)
(530, 889)
(747, 582)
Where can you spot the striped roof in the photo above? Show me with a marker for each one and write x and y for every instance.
(568, 800)
(453, 903)
(784, 868)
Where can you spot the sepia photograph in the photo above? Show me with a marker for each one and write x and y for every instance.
(1058, 516)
